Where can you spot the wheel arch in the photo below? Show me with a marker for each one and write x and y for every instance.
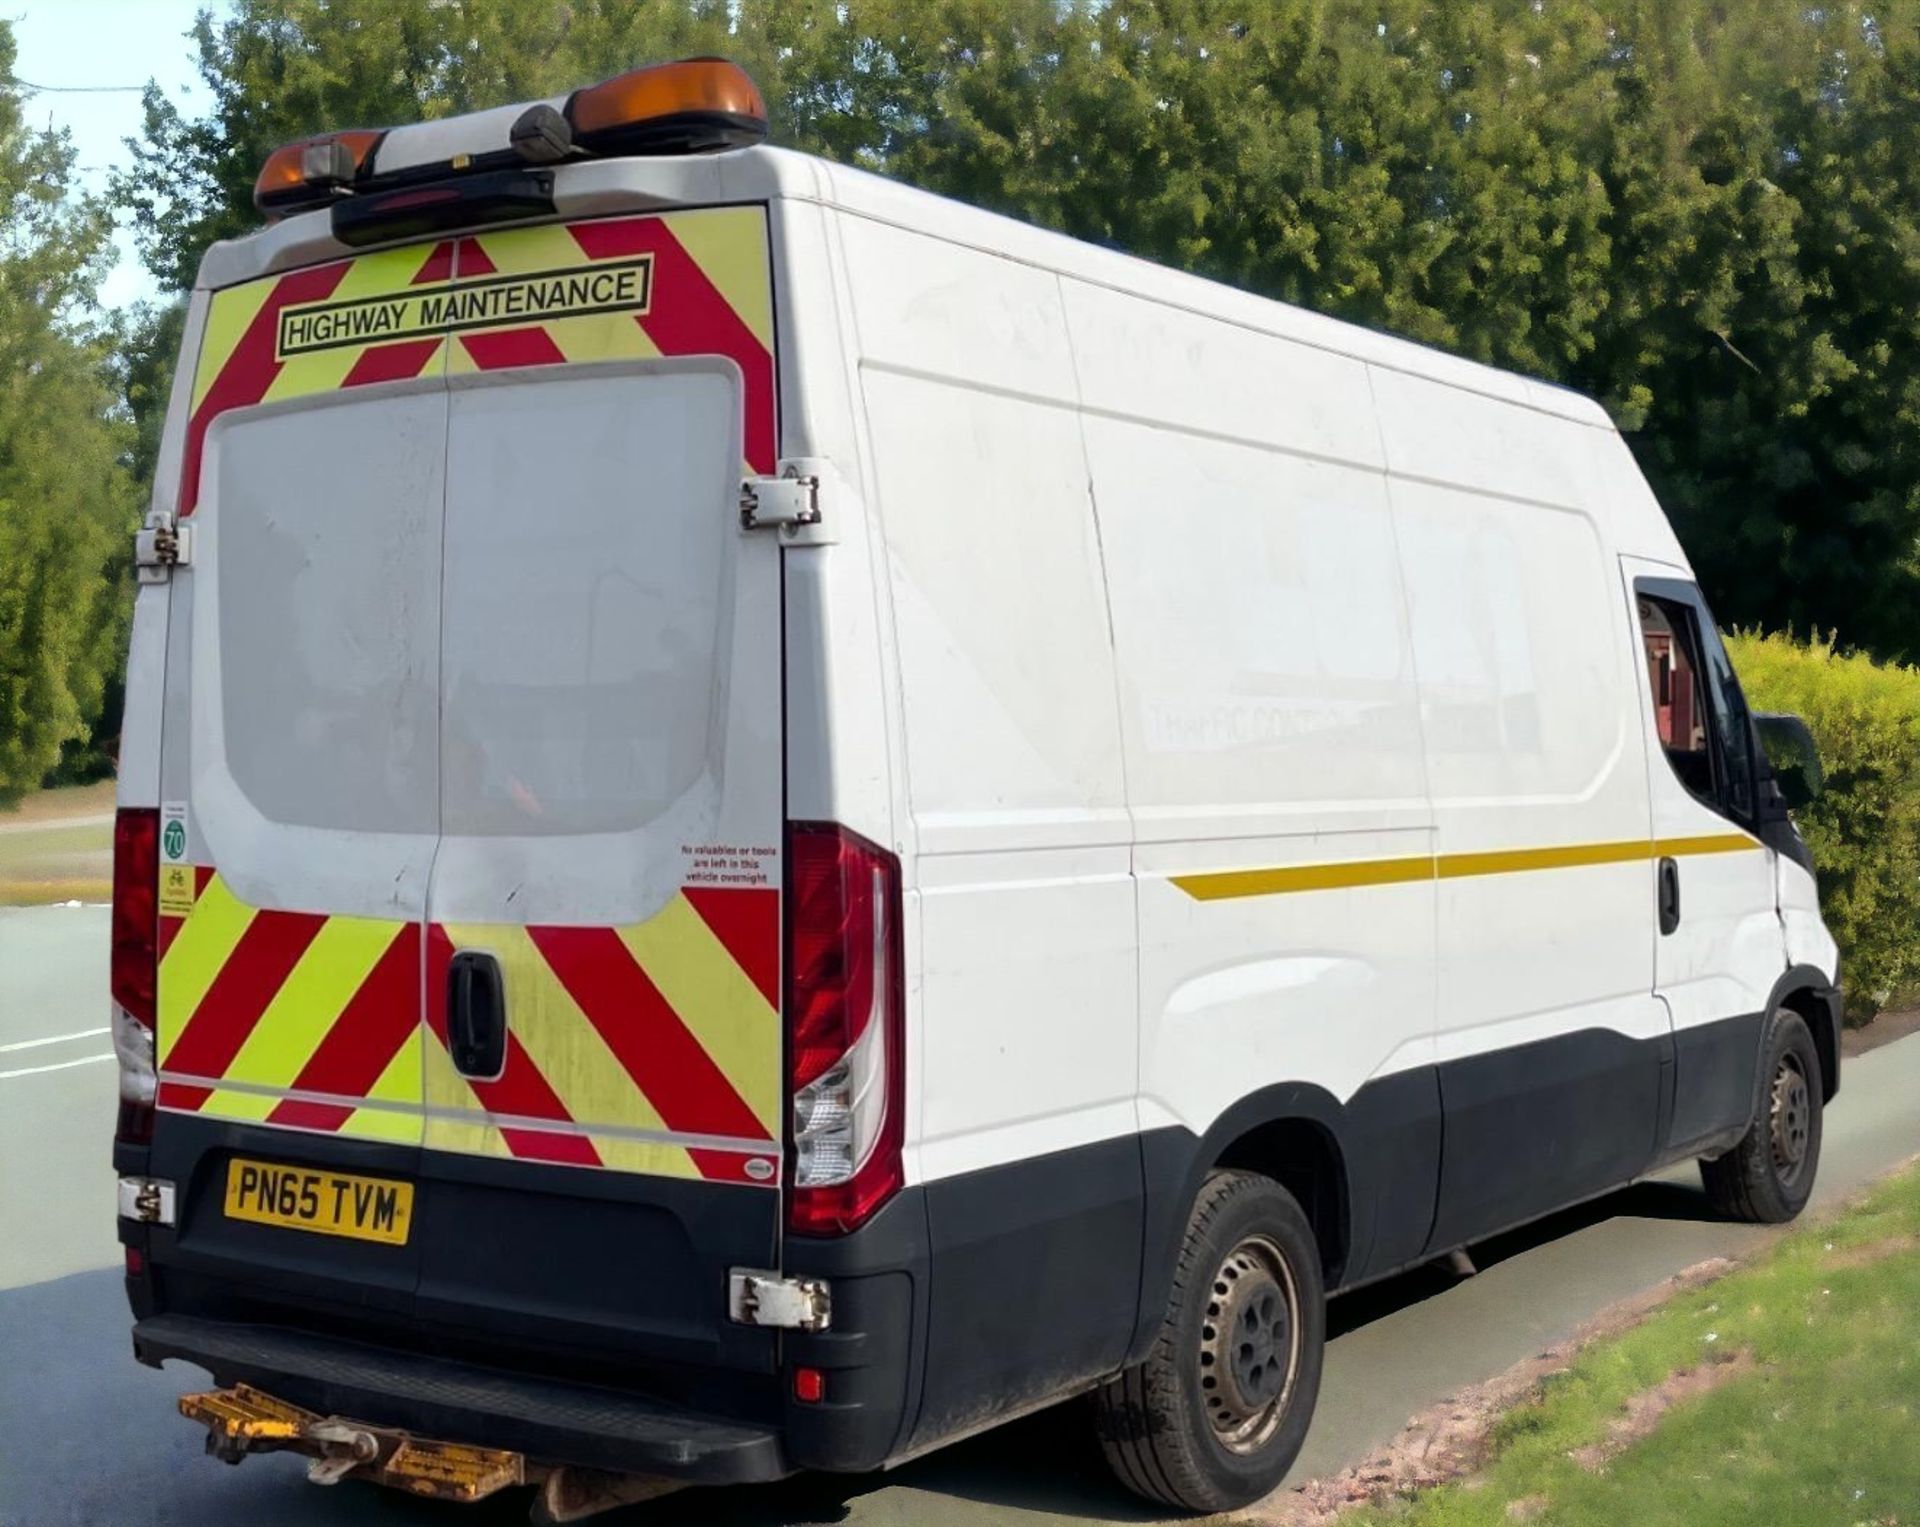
(1292, 1132)
(1804, 989)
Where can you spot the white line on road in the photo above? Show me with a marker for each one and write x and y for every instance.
(34, 1044)
(84, 1060)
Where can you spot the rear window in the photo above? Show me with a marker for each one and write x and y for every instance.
(325, 523)
(588, 518)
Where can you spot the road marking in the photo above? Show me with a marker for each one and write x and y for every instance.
(34, 1044)
(62, 1065)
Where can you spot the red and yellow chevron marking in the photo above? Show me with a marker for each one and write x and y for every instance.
(652, 1048)
(697, 283)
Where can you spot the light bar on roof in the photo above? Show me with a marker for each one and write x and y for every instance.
(692, 106)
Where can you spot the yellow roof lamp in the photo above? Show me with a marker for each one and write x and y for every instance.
(498, 164)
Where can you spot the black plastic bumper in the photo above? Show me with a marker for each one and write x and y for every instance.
(552, 1422)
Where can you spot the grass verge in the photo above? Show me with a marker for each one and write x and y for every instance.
(58, 861)
(1787, 1392)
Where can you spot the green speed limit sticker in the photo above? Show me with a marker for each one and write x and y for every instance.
(173, 831)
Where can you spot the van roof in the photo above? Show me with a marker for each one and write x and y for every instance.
(770, 174)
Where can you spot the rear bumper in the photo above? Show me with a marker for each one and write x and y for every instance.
(551, 1421)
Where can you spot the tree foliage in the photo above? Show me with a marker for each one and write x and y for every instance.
(1864, 827)
(1707, 215)
(64, 499)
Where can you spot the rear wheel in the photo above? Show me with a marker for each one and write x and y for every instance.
(1216, 1414)
(1768, 1176)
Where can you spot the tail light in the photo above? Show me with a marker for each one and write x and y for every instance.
(135, 963)
(845, 1061)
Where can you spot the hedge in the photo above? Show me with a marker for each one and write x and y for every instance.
(1864, 829)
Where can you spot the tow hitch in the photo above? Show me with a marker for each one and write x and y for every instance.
(242, 1420)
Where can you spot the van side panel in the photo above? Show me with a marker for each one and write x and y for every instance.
(1025, 998)
(1548, 1029)
(1271, 728)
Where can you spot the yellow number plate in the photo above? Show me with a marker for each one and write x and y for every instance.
(331, 1203)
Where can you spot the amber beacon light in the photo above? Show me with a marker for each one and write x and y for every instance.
(695, 105)
(692, 106)
(312, 171)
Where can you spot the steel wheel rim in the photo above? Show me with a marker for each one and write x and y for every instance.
(1791, 1119)
(1249, 1353)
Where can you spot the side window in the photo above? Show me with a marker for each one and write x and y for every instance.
(1699, 712)
(1679, 696)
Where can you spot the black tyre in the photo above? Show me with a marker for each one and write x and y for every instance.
(1216, 1414)
(1768, 1176)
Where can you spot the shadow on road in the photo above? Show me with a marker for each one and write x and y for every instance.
(1644, 1200)
(92, 1437)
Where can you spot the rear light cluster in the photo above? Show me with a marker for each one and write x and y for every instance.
(845, 1042)
(135, 964)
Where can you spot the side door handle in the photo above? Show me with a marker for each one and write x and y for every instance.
(1669, 896)
(476, 1015)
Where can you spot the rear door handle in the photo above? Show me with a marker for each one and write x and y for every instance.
(476, 1015)
(1669, 896)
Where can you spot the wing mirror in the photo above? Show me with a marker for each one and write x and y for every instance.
(1789, 746)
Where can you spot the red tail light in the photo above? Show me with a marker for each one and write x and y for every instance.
(135, 962)
(136, 917)
(845, 1040)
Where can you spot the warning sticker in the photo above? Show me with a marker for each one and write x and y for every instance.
(614, 286)
(727, 864)
(176, 890)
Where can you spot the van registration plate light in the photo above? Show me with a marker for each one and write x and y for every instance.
(328, 1203)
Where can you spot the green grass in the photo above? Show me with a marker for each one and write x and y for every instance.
(57, 862)
(1825, 1428)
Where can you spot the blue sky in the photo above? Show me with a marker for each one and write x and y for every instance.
(106, 42)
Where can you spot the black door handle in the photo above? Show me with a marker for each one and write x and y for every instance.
(476, 1015)
(1669, 895)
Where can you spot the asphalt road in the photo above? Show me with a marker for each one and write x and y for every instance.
(87, 1436)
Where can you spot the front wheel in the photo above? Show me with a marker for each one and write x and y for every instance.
(1768, 1177)
(1215, 1416)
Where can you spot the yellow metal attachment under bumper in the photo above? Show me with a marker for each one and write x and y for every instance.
(243, 1420)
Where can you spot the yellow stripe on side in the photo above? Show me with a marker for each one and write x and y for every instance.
(716, 1000)
(1713, 843)
(1508, 861)
(315, 993)
(206, 940)
(729, 244)
(1225, 885)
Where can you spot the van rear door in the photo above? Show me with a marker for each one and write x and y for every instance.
(611, 799)
(300, 788)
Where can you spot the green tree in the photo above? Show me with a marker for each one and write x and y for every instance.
(64, 502)
(1707, 215)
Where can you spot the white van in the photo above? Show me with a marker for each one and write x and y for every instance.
(766, 820)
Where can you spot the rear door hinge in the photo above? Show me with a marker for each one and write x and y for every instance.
(767, 503)
(767, 1299)
(160, 547)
